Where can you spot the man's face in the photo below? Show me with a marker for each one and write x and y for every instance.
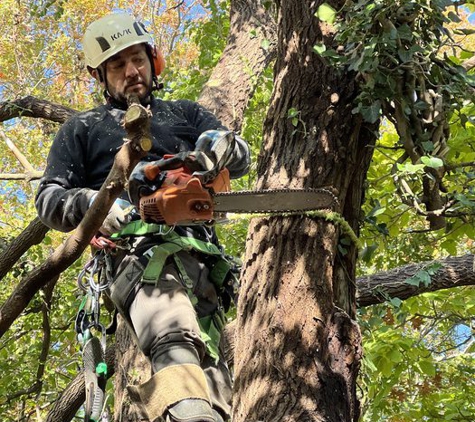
(129, 72)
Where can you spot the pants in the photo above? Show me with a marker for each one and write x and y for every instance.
(165, 323)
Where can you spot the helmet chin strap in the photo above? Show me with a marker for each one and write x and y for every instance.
(156, 86)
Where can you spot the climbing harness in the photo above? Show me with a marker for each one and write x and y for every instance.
(224, 272)
(93, 280)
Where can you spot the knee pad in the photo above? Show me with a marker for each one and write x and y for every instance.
(175, 354)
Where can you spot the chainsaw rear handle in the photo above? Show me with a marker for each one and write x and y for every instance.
(182, 199)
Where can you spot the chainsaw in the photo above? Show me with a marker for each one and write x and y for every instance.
(182, 199)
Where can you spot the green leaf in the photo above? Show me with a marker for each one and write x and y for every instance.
(332, 54)
(292, 112)
(319, 48)
(372, 113)
(386, 366)
(405, 32)
(395, 355)
(432, 268)
(427, 367)
(404, 55)
(450, 246)
(464, 200)
(421, 105)
(368, 252)
(454, 17)
(428, 146)
(410, 168)
(433, 162)
(377, 211)
(267, 4)
(342, 250)
(466, 31)
(425, 278)
(326, 13)
(413, 281)
(395, 301)
(422, 276)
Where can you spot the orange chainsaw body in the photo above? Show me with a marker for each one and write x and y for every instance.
(182, 199)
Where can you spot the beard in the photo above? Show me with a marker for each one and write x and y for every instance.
(143, 95)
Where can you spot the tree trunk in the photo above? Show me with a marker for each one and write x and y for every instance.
(233, 80)
(296, 336)
(132, 368)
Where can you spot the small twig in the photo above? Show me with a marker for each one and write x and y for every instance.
(176, 6)
(29, 176)
(20, 157)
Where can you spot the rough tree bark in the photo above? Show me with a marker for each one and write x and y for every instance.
(455, 271)
(296, 335)
(233, 80)
(33, 107)
(32, 235)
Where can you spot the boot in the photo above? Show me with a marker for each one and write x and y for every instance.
(191, 410)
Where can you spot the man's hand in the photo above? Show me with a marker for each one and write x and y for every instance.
(213, 150)
(118, 217)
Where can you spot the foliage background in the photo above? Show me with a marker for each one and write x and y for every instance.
(419, 354)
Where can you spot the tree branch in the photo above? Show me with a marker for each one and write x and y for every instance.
(29, 176)
(33, 107)
(32, 235)
(378, 288)
(20, 157)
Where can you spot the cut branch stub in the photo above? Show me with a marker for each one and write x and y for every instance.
(137, 125)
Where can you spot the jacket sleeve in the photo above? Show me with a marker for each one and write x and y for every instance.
(204, 120)
(62, 198)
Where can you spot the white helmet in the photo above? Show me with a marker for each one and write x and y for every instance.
(111, 34)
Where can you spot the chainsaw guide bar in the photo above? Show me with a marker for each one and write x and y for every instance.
(272, 201)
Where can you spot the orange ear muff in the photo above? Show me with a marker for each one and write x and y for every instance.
(158, 61)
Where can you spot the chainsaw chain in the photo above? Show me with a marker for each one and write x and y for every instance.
(325, 191)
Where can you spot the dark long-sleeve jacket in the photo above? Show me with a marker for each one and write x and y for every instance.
(83, 152)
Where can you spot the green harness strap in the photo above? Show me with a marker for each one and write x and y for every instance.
(174, 243)
(140, 228)
(157, 257)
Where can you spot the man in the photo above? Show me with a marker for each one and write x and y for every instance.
(173, 308)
